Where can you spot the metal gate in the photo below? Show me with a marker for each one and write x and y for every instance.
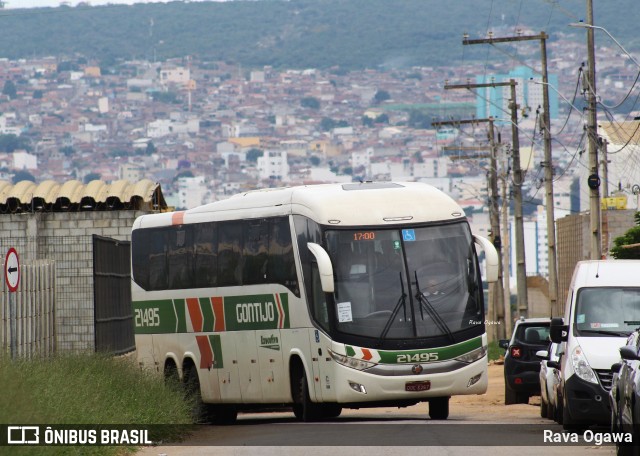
(112, 296)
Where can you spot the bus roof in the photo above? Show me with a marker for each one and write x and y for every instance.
(355, 204)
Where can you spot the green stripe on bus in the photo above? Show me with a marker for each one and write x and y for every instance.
(181, 312)
(443, 353)
(251, 312)
(207, 314)
(216, 346)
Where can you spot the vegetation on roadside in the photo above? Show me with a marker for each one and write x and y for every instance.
(89, 390)
(495, 352)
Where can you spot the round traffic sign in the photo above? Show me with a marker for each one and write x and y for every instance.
(12, 270)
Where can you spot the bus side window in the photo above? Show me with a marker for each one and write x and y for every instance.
(282, 266)
(229, 254)
(141, 245)
(255, 251)
(180, 258)
(206, 255)
(157, 259)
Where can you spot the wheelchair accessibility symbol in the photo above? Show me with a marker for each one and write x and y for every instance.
(408, 235)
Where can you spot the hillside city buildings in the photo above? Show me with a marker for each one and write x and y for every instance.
(207, 130)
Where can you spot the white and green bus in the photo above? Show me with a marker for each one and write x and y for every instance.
(315, 297)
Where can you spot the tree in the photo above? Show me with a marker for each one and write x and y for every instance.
(310, 102)
(151, 148)
(380, 96)
(91, 177)
(627, 246)
(23, 175)
(9, 89)
(253, 154)
(315, 161)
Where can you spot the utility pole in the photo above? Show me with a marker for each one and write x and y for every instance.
(508, 321)
(605, 168)
(496, 290)
(521, 272)
(592, 133)
(548, 164)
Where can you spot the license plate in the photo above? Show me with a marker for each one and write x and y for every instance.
(417, 386)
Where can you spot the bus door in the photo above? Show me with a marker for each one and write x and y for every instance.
(321, 362)
(228, 375)
(248, 367)
(144, 348)
(273, 379)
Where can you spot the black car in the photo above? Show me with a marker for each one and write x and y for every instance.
(521, 365)
(624, 396)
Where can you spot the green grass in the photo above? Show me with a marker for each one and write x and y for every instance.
(88, 390)
(495, 352)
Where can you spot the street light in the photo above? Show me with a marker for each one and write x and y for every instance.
(589, 26)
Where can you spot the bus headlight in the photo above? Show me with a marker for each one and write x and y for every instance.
(581, 366)
(473, 356)
(353, 363)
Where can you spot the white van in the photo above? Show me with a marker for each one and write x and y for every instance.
(602, 309)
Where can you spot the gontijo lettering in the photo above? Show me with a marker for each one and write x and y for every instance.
(256, 312)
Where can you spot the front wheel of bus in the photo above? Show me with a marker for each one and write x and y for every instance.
(439, 408)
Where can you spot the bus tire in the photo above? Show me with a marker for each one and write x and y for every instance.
(199, 410)
(224, 415)
(303, 408)
(439, 408)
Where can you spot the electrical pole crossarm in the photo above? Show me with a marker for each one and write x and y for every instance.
(459, 122)
(476, 86)
(508, 39)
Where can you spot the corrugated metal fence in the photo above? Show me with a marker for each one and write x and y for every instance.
(34, 311)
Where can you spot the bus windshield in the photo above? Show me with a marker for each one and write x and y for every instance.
(607, 311)
(405, 283)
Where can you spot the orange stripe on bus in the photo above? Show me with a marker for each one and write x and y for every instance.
(177, 218)
(206, 353)
(218, 312)
(195, 313)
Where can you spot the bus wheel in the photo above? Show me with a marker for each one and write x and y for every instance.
(199, 410)
(303, 408)
(439, 408)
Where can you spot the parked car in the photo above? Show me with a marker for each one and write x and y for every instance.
(602, 310)
(521, 366)
(549, 380)
(624, 397)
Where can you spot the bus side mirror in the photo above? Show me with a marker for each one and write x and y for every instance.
(558, 331)
(491, 257)
(325, 268)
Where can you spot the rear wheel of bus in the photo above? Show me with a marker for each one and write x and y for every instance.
(201, 412)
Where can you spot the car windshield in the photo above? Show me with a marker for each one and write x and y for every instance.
(607, 311)
(405, 283)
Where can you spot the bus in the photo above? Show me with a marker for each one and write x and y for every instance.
(316, 298)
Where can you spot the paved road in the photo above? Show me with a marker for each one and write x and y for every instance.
(478, 425)
(469, 430)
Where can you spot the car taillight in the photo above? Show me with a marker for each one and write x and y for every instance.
(516, 352)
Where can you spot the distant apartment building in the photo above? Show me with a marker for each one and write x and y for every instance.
(176, 75)
(131, 172)
(273, 165)
(192, 192)
(494, 101)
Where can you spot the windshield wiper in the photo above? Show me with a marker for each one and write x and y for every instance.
(401, 302)
(433, 313)
(605, 332)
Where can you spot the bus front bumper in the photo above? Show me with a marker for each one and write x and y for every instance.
(360, 386)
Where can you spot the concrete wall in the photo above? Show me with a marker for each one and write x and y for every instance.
(66, 237)
(573, 243)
